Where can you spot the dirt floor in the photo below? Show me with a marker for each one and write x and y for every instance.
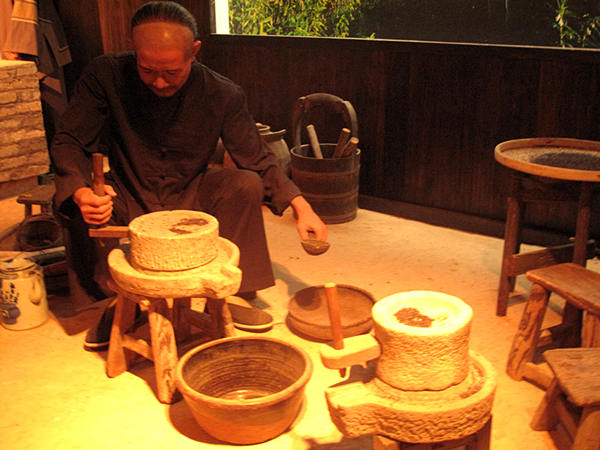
(56, 395)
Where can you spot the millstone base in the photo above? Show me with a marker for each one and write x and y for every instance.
(375, 408)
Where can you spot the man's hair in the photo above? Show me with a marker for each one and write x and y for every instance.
(164, 12)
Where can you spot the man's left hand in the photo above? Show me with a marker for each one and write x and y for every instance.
(307, 220)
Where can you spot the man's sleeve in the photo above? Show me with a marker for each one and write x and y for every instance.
(242, 140)
(78, 135)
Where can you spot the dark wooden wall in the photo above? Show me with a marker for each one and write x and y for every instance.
(429, 114)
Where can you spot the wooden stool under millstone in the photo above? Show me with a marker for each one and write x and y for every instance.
(169, 320)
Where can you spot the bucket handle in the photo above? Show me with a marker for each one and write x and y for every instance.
(304, 103)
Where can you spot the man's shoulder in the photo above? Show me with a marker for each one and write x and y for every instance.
(215, 80)
(111, 61)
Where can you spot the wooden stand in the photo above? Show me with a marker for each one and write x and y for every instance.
(523, 190)
(170, 321)
(575, 384)
(581, 290)
(479, 440)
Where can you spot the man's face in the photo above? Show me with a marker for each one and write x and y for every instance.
(165, 52)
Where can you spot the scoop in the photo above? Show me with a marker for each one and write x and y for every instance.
(314, 246)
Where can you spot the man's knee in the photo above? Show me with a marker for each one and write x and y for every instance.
(247, 186)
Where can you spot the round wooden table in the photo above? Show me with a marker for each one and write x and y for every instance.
(563, 159)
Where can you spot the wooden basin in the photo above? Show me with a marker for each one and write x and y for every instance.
(244, 390)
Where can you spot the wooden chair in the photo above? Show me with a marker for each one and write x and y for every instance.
(580, 288)
(573, 398)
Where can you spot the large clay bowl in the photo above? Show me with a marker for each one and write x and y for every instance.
(244, 390)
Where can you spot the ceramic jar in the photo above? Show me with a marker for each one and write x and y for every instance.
(274, 143)
(23, 302)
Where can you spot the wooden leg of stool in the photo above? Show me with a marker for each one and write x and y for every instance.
(512, 232)
(118, 358)
(590, 330)
(526, 339)
(587, 436)
(481, 439)
(181, 326)
(545, 417)
(164, 349)
(384, 443)
(221, 317)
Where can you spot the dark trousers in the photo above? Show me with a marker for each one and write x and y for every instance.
(234, 197)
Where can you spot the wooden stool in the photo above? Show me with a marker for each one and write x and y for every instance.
(575, 384)
(41, 196)
(580, 288)
(169, 320)
(479, 440)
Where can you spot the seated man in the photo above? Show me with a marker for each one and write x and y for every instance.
(161, 114)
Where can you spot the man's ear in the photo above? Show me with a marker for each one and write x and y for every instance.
(196, 48)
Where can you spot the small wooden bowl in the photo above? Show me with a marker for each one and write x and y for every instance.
(244, 390)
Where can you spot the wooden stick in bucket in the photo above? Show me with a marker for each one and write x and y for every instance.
(341, 143)
(350, 147)
(314, 141)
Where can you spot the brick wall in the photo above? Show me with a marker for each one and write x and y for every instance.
(23, 149)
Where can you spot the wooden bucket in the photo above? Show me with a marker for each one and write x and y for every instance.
(329, 184)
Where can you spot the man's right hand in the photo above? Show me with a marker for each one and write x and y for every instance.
(95, 209)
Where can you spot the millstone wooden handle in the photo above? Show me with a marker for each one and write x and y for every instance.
(314, 141)
(109, 231)
(98, 174)
(333, 306)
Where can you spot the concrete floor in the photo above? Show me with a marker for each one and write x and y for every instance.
(55, 395)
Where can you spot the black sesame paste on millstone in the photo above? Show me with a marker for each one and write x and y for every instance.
(413, 318)
(565, 160)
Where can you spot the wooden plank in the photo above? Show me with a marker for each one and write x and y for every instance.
(576, 284)
(576, 370)
(523, 262)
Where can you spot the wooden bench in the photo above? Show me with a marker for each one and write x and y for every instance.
(40, 195)
(576, 383)
(580, 288)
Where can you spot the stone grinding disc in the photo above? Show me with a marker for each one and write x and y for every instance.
(173, 240)
(308, 313)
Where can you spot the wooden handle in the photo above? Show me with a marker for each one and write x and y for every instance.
(333, 306)
(109, 231)
(314, 141)
(341, 143)
(98, 174)
(350, 147)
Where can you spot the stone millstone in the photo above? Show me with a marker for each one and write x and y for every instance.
(366, 408)
(424, 338)
(173, 240)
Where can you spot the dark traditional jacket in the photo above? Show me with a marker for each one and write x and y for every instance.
(159, 147)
